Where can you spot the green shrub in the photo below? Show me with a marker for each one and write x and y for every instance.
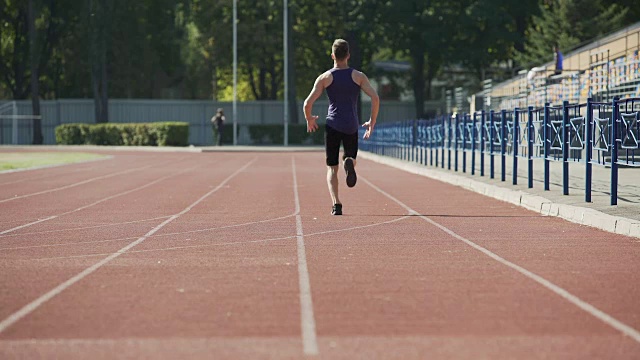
(128, 134)
(298, 135)
(274, 134)
(266, 134)
(105, 134)
(227, 135)
(172, 133)
(136, 134)
(71, 134)
(143, 134)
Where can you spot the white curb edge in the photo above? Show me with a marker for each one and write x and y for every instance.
(576, 214)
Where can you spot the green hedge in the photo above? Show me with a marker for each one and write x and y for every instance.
(273, 134)
(137, 134)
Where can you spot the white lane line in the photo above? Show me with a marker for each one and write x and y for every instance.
(29, 224)
(86, 227)
(99, 201)
(307, 319)
(154, 236)
(27, 309)
(45, 176)
(74, 184)
(209, 245)
(592, 310)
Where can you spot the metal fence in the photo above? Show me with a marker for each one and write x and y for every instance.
(593, 133)
(196, 113)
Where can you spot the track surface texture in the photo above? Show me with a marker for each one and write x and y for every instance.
(236, 256)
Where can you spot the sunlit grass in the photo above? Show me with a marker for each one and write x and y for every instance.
(12, 161)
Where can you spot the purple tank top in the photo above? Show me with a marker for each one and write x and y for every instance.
(343, 98)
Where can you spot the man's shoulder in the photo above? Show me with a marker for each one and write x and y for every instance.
(325, 78)
(358, 76)
(325, 75)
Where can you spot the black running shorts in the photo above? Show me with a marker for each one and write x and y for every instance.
(332, 140)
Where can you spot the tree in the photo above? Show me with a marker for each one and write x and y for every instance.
(568, 23)
(291, 69)
(490, 31)
(361, 20)
(14, 50)
(318, 23)
(35, 89)
(98, 20)
(425, 32)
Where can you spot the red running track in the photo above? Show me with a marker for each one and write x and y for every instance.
(235, 256)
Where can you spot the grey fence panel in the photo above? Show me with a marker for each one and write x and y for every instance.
(75, 111)
(196, 112)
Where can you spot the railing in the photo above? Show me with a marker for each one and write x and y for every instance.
(604, 134)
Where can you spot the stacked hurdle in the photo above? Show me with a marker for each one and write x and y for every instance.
(593, 133)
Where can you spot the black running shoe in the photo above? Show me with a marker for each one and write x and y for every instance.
(351, 172)
(336, 209)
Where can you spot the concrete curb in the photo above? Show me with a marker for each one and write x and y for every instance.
(192, 149)
(544, 206)
(269, 149)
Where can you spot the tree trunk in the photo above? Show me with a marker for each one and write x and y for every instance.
(417, 55)
(98, 14)
(35, 89)
(356, 63)
(20, 90)
(262, 82)
(252, 83)
(274, 81)
(214, 81)
(104, 95)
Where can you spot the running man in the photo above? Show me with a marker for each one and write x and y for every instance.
(343, 85)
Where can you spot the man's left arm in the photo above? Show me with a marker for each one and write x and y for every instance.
(316, 92)
(365, 85)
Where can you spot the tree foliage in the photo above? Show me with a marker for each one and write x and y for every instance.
(568, 23)
(183, 48)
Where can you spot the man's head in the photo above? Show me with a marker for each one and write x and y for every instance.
(340, 50)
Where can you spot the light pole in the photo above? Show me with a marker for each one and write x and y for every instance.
(235, 72)
(286, 72)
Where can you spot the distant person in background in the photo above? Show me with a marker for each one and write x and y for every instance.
(557, 58)
(343, 85)
(532, 75)
(217, 123)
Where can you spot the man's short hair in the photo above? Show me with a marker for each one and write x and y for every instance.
(340, 49)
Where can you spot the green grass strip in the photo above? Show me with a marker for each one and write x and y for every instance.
(23, 160)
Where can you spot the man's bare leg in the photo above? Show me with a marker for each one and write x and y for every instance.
(332, 182)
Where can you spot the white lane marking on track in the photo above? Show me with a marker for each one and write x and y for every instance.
(29, 224)
(100, 201)
(218, 244)
(74, 184)
(307, 319)
(154, 236)
(86, 227)
(27, 309)
(592, 310)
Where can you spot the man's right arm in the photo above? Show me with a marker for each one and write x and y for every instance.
(316, 92)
